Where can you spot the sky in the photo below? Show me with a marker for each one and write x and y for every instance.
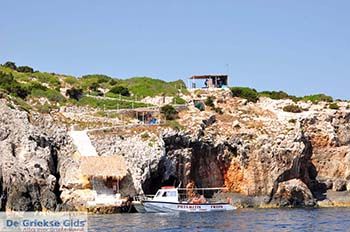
(301, 47)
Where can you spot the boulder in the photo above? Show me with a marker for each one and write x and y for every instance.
(294, 193)
(339, 185)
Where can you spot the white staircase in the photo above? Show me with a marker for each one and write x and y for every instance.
(83, 143)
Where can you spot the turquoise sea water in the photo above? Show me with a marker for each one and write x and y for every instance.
(337, 219)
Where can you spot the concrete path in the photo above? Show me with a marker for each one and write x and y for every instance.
(83, 143)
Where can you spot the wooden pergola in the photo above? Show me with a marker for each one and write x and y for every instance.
(104, 167)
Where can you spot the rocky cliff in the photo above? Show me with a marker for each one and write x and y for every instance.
(256, 150)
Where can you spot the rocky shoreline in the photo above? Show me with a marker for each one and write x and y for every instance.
(264, 156)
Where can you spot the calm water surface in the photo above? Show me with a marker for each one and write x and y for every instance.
(239, 220)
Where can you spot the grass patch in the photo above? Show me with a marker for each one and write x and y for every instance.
(108, 104)
(50, 94)
(174, 125)
(316, 98)
(146, 86)
(23, 105)
(105, 114)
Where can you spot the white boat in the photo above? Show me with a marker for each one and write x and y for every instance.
(167, 199)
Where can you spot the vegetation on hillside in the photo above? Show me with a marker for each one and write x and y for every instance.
(169, 112)
(244, 92)
(253, 96)
(146, 86)
(334, 106)
(25, 83)
(292, 108)
(108, 104)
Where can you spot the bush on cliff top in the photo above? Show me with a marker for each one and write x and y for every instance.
(278, 95)
(292, 109)
(334, 106)
(316, 98)
(244, 92)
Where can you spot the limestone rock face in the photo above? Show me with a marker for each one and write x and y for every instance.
(142, 153)
(265, 147)
(29, 152)
(254, 149)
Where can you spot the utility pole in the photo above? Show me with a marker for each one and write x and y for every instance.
(228, 73)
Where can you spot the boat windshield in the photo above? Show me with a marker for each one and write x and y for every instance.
(169, 194)
(158, 194)
(166, 193)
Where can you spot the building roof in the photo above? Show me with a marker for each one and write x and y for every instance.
(103, 166)
(209, 76)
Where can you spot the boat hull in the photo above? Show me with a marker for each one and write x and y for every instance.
(167, 207)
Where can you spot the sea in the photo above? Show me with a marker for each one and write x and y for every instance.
(330, 219)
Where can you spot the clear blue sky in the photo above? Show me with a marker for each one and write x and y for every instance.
(302, 47)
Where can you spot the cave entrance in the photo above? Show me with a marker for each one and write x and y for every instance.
(155, 182)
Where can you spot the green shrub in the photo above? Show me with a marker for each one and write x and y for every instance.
(244, 92)
(179, 100)
(6, 78)
(278, 95)
(36, 85)
(113, 82)
(71, 80)
(292, 109)
(94, 86)
(11, 65)
(316, 98)
(8, 83)
(99, 78)
(334, 106)
(25, 69)
(292, 121)
(44, 109)
(169, 112)
(145, 135)
(50, 94)
(209, 101)
(120, 90)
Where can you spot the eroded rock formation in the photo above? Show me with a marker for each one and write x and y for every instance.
(253, 149)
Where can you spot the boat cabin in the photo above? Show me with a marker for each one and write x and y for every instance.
(167, 194)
